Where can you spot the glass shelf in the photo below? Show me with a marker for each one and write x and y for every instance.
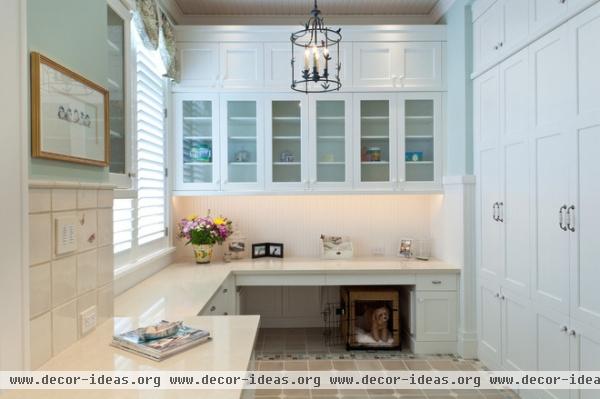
(242, 142)
(419, 140)
(197, 141)
(286, 123)
(375, 140)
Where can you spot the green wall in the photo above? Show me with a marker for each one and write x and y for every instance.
(459, 123)
(73, 33)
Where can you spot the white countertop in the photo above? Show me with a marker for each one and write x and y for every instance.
(230, 349)
(183, 289)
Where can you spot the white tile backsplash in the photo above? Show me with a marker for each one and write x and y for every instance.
(64, 327)
(105, 303)
(61, 287)
(87, 271)
(105, 198)
(87, 233)
(64, 199)
(40, 288)
(105, 265)
(85, 302)
(64, 280)
(40, 340)
(105, 227)
(40, 200)
(40, 238)
(87, 199)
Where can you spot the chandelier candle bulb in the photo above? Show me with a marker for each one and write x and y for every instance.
(306, 59)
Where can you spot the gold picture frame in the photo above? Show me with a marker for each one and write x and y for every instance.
(69, 115)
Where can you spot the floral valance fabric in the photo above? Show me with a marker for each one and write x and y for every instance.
(157, 33)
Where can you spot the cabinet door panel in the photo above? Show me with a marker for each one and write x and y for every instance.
(374, 64)
(199, 64)
(487, 109)
(585, 354)
(242, 65)
(488, 34)
(516, 22)
(421, 66)
(551, 271)
(543, 13)
(490, 256)
(585, 251)
(518, 331)
(436, 315)
(553, 348)
(277, 65)
(490, 324)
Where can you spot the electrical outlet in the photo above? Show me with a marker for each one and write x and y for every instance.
(378, 250)
(88, 320)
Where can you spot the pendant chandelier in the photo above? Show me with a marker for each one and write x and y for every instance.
(319, 72)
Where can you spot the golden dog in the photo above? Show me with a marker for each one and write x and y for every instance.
(379, 323)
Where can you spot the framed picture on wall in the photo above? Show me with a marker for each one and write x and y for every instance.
(69, 115)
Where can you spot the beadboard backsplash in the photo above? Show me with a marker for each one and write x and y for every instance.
(298, 221)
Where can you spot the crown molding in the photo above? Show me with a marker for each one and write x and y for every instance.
(439, 10)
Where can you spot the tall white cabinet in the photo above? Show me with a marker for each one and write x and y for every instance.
(537, 129)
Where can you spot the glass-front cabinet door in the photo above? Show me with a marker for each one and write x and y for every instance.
(420, 121)
(330, 141)
(197, 142)
(242, 142)
(287, 141)
(375, 138)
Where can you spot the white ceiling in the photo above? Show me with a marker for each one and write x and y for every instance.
(303, 7)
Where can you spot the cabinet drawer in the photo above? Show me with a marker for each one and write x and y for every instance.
(436, 282)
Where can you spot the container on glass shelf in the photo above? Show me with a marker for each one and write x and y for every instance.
(374, 154)
(422, 249)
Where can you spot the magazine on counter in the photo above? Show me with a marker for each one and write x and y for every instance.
(158, 349)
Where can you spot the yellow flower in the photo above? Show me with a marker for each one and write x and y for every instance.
(219, 221)
(192, 217)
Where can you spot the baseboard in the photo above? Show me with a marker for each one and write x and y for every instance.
(291, 322)
(467, 345)
(432, 347)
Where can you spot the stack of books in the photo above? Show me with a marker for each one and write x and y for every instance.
(160, 341)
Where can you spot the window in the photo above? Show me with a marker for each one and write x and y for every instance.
(140, 214)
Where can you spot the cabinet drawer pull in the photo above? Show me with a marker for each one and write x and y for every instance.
(436, 282)
(500, 212)
(213, 308)
(571, 218)
(494, 211)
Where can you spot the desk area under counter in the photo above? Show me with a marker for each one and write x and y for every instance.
(429, 292)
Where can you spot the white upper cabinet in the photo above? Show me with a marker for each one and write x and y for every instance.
(499, 29)
(375, 141)
(242, 142)
(278, 69)
(330, 141)
(197, 147)
(287, 142)
(199, 64)
(419, 143)
(375, 64)
(543, 13)
(242, 65)
(409, 66)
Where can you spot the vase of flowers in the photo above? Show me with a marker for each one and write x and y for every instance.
(203, 233)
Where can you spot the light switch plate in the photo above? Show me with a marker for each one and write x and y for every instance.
(66, 234)
(87, 320)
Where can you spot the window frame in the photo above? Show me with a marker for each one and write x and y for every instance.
(130, 258)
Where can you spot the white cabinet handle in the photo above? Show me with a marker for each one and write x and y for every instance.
(501, 212)
(561, 218)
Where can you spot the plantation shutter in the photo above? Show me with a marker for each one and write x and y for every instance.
(151, 179)
(123, 219)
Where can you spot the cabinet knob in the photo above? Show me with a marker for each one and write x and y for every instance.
(213, 308)
(225, 290)
(502, 297)
(225, 314)
(497, 295)
(436, 282)
(564, 329)
(573, 333)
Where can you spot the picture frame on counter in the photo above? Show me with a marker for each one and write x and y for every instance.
(405, 248)
(69, 115)
(267, 249)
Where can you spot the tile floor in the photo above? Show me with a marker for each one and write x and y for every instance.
(308, 349)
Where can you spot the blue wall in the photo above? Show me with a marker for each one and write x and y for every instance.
(459, 126)
(72, 33)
